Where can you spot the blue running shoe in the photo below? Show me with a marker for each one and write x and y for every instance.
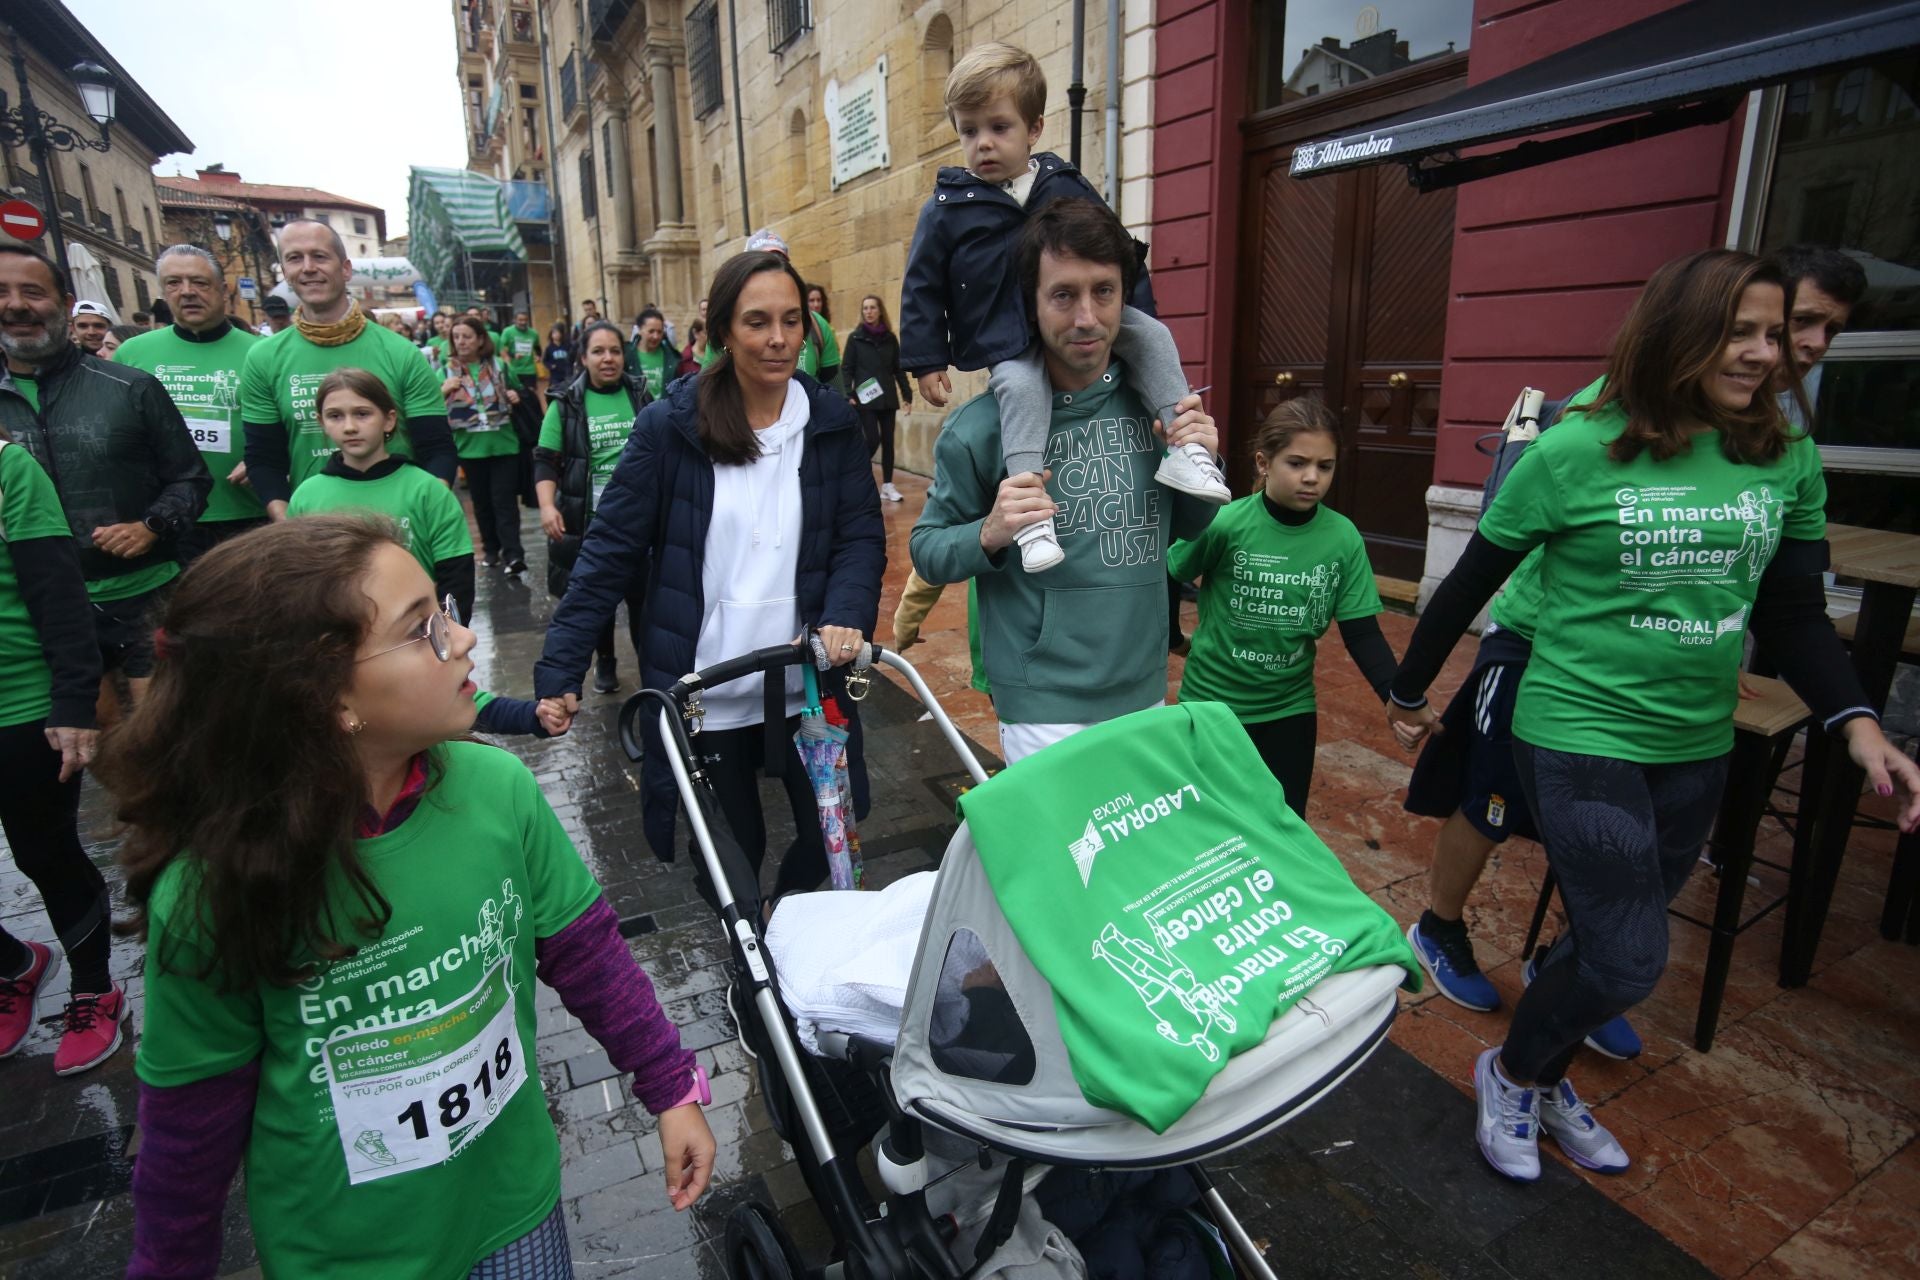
(1617, 1039)
(1508, 1121)
(1449, 959)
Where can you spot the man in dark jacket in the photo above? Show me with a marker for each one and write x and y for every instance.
(130, 479)
(656, 511)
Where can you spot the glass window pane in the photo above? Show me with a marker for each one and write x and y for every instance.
(976, 1031)
(1844, 176)
(1309, 48)
(1872, 404)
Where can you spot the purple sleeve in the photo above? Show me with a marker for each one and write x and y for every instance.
(589, 965)
(191, 1139)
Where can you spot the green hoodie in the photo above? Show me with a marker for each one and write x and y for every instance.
(1087, 640)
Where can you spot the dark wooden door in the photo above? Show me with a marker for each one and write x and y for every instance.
(1344, 295)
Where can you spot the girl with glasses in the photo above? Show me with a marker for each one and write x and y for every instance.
(345, 905)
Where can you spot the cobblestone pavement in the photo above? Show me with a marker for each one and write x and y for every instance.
(1379, 1180)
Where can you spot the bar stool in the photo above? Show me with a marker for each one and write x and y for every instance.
(1758, 724)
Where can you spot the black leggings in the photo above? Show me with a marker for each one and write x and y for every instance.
(733, 759)
(41, 816)
(495, 486)
(603, 647)
(878, 425)
(1621, 839)
(1287, 746)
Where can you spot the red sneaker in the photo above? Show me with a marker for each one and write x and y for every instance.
(17, 996)
(93, 1031)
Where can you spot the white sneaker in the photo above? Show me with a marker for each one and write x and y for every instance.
(889, 493)
(1191, 470)
(1584, 1139)
(1039, 547)
(1509, 1121)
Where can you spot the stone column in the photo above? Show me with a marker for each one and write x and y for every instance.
(666, 136)
(624, 236)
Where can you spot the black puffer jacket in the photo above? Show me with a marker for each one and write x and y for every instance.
(116, 449)
(571, 470)
(878, 358)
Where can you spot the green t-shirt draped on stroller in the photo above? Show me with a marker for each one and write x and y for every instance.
(1155, 877)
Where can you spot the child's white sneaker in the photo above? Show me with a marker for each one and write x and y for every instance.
(1039, 547)
(1191, 470)
(889, 493)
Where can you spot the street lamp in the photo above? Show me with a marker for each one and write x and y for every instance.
(43, 133)
(223, 225)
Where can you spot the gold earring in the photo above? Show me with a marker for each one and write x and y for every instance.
(354, 729)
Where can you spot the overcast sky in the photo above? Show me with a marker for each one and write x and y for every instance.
(342, 96)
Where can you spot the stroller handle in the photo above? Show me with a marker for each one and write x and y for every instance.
(760, 661)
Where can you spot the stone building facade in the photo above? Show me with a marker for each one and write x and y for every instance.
(655, 181)
(106, 200)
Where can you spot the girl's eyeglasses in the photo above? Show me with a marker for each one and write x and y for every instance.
(435, 632)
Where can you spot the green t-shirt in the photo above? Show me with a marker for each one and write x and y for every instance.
(1517, 607)
(821, 354)
(657, 367)
(432, 525)
(708, 356)
(489, 432)
(1270, 592)
(204, 380)
(377, 1072)
(1647, 578)
(609, 423)
(29, 509)
(283, 372)
(30, 388)
(442, 349)
(520, 348)
(1151, 870)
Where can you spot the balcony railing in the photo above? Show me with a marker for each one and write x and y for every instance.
(605, 16)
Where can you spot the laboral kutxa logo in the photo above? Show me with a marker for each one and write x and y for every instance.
(1691, 630)
(1121, 817)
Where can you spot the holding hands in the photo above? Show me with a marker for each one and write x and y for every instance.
(1411, 725)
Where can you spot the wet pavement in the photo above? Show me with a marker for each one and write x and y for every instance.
(1381, 1179)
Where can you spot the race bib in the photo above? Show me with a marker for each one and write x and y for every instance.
(522, 347)
(869, 391)
(211, 435)
(413, 1094)
(600, 487)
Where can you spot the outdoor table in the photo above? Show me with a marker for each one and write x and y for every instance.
(1888, 567)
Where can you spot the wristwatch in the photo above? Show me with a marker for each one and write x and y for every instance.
(155, 526)
(701, 1092)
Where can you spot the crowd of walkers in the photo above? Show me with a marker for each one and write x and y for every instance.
(246, 554)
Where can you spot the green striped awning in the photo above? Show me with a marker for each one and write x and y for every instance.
(455, 211)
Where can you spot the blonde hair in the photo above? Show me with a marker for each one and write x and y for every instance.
(989, 70)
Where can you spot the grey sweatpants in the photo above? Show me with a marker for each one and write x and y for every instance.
(1025, 398)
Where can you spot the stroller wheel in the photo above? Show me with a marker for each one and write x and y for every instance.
(759, 1248)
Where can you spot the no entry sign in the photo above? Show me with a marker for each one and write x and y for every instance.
(21, 220)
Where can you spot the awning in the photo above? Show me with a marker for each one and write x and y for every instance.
(455, 212)
(1686, 66)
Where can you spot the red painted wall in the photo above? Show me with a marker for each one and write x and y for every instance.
(1546, 261)
(1200, 91)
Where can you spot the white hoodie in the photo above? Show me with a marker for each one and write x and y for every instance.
(752, 564)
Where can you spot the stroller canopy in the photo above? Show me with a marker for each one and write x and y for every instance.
(982, 1050)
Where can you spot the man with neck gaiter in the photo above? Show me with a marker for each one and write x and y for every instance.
(198, 359)
(284, 443)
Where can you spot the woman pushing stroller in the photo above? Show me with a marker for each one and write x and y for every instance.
(745, 496)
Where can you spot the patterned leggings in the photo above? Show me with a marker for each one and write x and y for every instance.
(1621, 839)
(541, 1254)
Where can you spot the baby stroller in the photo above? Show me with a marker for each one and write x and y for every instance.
(975, 1101)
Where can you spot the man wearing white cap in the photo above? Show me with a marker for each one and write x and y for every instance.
(90, 325)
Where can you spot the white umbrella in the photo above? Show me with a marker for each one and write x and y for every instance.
(89, 280)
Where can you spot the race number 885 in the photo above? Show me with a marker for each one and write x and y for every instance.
(457, 1099)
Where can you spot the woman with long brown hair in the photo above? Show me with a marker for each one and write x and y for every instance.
(481, 392)
(874, 374)
(744, 497)
(1675, 508)
(345, 905)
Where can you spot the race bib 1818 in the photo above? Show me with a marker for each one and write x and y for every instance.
(412, 1095)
